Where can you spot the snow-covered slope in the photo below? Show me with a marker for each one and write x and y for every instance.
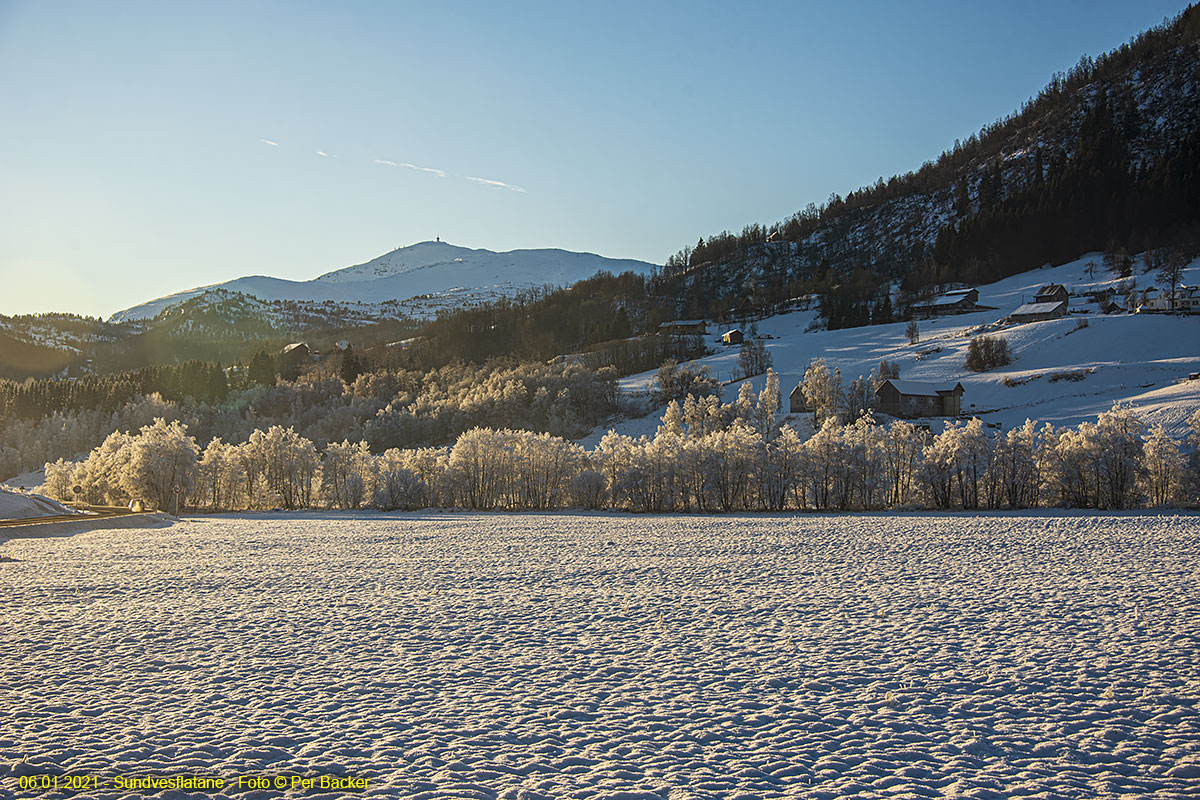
(421, 272)
(20, 505)
(1060, 373)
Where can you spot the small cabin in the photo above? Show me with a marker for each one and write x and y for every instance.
(683, 327)
(734, 336)
(1034, 312)
(915, 399)
(796, 401)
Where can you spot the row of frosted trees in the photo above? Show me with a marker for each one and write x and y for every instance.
(706, 456)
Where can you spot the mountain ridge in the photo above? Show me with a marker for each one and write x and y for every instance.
(421, 270)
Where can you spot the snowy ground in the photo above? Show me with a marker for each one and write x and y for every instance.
(610, 656)
(25, 505)
(1142, 359)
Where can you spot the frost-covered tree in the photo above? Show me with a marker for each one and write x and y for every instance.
(1017, 466)
(864, 481)
(1120, 456)
(781, 478)
(347, 475)
(480, 469)
(672, 421)
(221, 477)
(902, 449)
(397, 486)
(287, 464)
(1162, 470)
(770, 401)
(822, 390)
(162, 458)
(824, 457)
(743, 407)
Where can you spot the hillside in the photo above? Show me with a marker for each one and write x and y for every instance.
(1106, 156)
(1061, 373)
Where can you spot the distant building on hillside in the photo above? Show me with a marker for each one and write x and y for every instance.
(734, 336)
(1034, 312)
(1052, 293)
(1187, 300)
(914, 399)
(796, 401)
(679, 327)
(292, 357)
(956, 301)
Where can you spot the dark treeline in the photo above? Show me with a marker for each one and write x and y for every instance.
(35, 398)
(1037, 186)
(598, 315)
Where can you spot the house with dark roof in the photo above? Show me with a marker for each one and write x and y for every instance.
(916, 399)
(796, 401)
(734, 336)
(956, 301)
(677, 327)
(1052, 293)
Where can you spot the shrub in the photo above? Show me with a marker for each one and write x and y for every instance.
(987, 352)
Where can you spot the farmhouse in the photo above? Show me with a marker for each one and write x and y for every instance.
(296, 352)
(734, 336)
(680, 327)
(1187, 300)
(1032, 312)
(914, 399)
(957, 301)
(1052, 293)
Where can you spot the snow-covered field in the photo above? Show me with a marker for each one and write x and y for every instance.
(611, 656)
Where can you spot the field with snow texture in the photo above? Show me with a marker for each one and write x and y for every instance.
(612, 656)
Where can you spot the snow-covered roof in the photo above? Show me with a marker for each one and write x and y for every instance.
(922, 389)
(293, 346)
(681, 322)
(950, 298)
(1039, 308)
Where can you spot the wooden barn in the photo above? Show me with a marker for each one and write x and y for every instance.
(295, 353)
(915, 399)
(957, 301)
(734, 336)
(1033, 312)
(683, 327)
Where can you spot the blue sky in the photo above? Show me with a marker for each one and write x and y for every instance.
(150, 147)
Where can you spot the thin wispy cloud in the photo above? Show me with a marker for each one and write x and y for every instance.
(268, 141)
(406, 165)
(323, 154)
(497, 184)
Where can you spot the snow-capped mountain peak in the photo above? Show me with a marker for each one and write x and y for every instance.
(420, 278)
(402, 260)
